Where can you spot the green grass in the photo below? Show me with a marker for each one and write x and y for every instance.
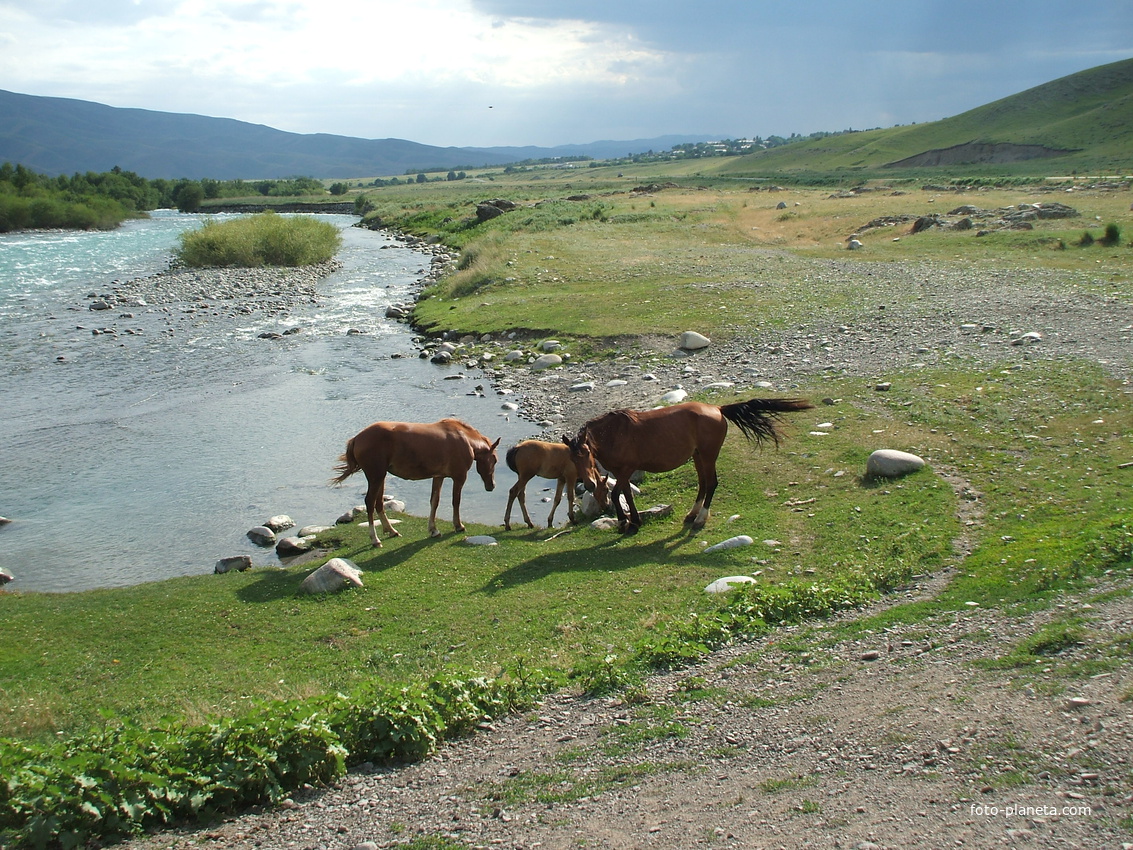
(266, 239)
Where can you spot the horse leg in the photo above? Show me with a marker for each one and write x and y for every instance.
(457, 486)
(634, 517)
(375, 500)
(555, 505)
(567, 484)
(706, 481)
(518, 491)
(434, 501)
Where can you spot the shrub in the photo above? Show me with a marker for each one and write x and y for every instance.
(1112, 236)
(267, 239)
(1086, 240)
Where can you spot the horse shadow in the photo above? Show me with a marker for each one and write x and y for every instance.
(594, 559)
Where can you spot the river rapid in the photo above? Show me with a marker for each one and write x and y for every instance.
(142, 444)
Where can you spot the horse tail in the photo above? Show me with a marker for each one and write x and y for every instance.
(756, 417)
(510, 458)
(347, 464)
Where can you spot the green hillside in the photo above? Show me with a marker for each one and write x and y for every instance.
(1081, 123)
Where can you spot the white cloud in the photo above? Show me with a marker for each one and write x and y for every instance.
(488, 72)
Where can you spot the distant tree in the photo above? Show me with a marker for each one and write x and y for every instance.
(339, 188)
(451, 176)
(421, 178)
(190, 196)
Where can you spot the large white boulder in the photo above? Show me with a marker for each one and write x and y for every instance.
(692, 341)
(891, 463)
(335, 575)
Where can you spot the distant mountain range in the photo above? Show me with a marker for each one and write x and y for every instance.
(53, 135)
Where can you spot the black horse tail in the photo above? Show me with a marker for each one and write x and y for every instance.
(510, 458)
(347, 465)
(757, 417)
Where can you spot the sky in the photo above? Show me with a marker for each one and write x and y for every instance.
(482, 73)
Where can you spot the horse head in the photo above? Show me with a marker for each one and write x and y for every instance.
(585, 464)
(485, 457)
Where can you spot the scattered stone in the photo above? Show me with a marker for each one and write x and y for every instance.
(731, 543)
(5, 577)
(891, 463)
(261, 535)
(692, 341)
(728, 584)
(1078, 702)
(280, 522)
(481, 540)
(1028, 338)
(312, 530)
(335, 575)
(288, 547)
(674, 396)
(546, 361)
(239, 563)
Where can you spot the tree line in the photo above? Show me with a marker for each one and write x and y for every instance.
(103, 200)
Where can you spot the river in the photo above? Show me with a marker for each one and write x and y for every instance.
(139, 456)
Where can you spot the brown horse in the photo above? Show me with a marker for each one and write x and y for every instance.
(547, 460)
(444, 449)
(659, 440)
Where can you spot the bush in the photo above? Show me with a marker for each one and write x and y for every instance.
(1112, 236)
(267, 239)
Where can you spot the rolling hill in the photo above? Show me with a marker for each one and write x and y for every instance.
(54, 135)
(1080, 123)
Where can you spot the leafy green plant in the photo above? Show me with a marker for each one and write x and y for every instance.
(116, 782)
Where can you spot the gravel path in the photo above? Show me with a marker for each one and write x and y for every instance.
(817, 736)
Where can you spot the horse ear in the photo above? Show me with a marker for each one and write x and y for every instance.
(496, 443)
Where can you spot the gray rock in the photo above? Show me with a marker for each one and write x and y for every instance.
(239, 563)
(335, 575)
(481, 540)
(692, 341)
(731, 543)
(261, 535)
(311, 530)
(291, 546)
(891, 463)
(728, 584)
(546, 361)
(280, 522)
(5, 577)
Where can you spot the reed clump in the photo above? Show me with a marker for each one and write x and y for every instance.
(265, 239)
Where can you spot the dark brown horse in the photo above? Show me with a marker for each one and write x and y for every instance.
(444, 449)
(625, 441)
(533, 458)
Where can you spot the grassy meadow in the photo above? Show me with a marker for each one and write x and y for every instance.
(1042, 443)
